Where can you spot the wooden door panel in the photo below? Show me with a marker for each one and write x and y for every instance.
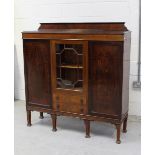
(37, 72)
(105, 77)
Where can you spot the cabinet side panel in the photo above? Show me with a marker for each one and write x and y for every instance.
(126, 72)
(105, 78)
(37, 72)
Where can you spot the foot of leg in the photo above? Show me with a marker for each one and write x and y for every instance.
(125, 125)
(118, 127)
(29, 118)
(41, 115)
(87, 128)
(54, 121)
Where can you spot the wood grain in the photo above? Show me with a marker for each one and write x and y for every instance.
(104, 72)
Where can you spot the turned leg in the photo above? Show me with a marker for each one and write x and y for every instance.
(41, 115)
(118, 127)
(29, 118)
(125, 125)
(54, 121)
(87, 128)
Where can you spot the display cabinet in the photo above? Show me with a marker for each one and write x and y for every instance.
(79, 70)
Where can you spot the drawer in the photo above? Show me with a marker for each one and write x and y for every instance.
(69, 103)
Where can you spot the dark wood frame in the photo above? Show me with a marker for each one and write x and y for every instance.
(83, 34)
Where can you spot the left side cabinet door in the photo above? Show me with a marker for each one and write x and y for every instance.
(37, 72)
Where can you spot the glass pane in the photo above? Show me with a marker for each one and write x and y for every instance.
(69, 63)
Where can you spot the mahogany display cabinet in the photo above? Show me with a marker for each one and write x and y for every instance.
(79, 70)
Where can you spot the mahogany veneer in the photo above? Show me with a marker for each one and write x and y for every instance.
(79, 70)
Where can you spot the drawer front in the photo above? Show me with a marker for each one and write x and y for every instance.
(69, 103)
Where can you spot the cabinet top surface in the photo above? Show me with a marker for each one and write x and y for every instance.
(81, 28)
(75, 31)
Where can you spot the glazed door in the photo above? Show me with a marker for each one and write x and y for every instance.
(105, 78)
(69, 59)
(37, 72)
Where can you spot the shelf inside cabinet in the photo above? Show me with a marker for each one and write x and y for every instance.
(73, 89)
(71, 66)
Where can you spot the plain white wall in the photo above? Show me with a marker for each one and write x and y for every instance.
(29, 13)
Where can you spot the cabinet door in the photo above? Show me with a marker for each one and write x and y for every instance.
(37, 72)
(105, 77)
(70, 75)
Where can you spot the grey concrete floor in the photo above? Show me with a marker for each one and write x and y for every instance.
(69, 139)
